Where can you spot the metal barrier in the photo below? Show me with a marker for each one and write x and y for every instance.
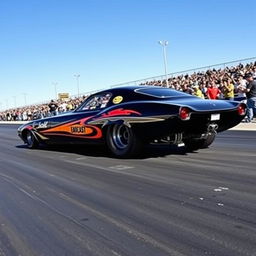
(175, 74)
(189, 71)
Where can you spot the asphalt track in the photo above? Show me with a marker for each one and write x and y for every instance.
(80, 201)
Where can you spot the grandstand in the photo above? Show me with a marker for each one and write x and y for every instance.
(218, 74)
(161, 78)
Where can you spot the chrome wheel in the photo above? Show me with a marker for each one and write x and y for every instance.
(121, 136)
(122, 141)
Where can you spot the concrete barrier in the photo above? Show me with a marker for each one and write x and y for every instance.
(245, 127)
(13, 122)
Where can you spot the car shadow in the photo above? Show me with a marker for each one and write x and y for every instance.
(154, 151)
(87, 150)
(150, 151)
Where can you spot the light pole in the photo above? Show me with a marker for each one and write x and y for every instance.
(77, 83)
(55, 89)
(164, 44)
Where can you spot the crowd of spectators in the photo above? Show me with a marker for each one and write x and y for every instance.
(211, 84)
(38, 111)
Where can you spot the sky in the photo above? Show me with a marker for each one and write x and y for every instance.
(45, 43)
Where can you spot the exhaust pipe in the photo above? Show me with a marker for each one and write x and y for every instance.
(212, 128)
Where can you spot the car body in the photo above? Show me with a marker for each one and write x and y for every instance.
(127, 118)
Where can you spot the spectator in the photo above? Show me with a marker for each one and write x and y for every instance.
(63, 106)
(24, 116)
(240, 86)
(29, 114)
(213, 92)
(197, 92)
(228, 89)
(70, 106)
(53, 106)
(250, 95)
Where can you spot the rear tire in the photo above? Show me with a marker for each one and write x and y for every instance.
(31, 140)
(195, 144)
(122, 141)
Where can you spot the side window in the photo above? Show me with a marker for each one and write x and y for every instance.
(96, 102)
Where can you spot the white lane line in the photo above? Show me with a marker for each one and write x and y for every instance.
(223, 188)
(81, 158)
(121, 167)
(219, 189)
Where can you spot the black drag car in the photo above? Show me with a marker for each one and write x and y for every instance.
(127, 118)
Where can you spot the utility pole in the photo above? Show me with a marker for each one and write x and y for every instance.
(164, 45)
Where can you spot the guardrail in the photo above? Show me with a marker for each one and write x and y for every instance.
(13, 122)
(189, 71)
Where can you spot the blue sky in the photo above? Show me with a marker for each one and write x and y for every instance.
(113, 41)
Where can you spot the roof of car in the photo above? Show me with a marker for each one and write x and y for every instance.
(133, 88)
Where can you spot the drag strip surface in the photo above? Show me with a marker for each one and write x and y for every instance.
(81, 201)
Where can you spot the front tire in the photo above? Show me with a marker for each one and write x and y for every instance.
(31, 140)
(122, 141)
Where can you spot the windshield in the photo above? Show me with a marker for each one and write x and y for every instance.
(95, 102)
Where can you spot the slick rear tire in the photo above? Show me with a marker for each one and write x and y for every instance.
(31, 140)
(122, 141)
(195, 144)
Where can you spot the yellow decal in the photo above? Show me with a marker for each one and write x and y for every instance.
(117, 99)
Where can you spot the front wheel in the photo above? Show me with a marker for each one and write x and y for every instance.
(195, 144)
(122, 141)
(31, 140)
